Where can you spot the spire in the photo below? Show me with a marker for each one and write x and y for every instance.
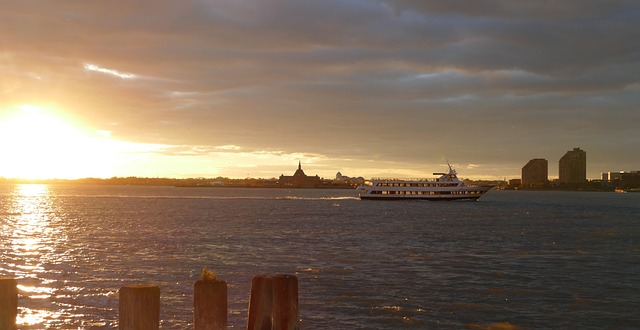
(299, 165)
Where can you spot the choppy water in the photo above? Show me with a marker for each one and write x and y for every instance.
(536, 260)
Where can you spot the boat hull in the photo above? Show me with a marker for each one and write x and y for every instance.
(460, 193)
(389, 198)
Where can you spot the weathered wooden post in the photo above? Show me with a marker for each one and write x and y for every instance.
(139, 307)
(8, 303)
(285, 303)
(210, 305)
(274, 303)
(260, 303)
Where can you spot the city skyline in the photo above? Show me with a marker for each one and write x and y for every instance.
(365, 88)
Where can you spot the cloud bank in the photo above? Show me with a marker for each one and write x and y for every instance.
(372, 86)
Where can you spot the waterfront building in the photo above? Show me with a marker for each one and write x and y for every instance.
(573, 167)
(630, 179)
(342, 179)
(299, 179)
(611, 176)
(535, 174)
(622, 179)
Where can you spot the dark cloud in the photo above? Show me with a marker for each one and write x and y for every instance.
(504, 9)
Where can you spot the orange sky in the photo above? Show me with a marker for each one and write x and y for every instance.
(367, 88)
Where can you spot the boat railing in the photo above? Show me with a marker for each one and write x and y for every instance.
(453, 179)
(403, 180)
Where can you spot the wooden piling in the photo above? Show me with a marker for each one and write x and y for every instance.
(8, 303)
(210, 305)
(285, 303)
(273, 303)
(139, 307)
(260, 302)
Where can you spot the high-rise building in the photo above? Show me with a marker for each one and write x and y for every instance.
(573, 167)
(535, 173)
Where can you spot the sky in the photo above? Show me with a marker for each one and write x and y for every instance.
(372, 88)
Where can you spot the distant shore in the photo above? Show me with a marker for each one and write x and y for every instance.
(277, 187)
(221, 182)
(183, 183)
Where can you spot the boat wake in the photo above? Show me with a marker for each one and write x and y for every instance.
(216, 197)
(340, 198)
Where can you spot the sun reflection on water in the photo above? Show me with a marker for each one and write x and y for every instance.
(31, 244)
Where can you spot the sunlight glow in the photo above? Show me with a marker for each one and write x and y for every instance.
(32, 190)
(40, 143)
(35, 143)
(34, 239)
(31, 317)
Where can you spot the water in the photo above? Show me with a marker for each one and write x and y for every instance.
(528, 259)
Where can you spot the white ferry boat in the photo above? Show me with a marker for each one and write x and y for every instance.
(446, 187)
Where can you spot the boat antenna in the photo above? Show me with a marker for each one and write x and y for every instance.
(451, 170)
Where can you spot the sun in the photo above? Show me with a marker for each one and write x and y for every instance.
(38, 143)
